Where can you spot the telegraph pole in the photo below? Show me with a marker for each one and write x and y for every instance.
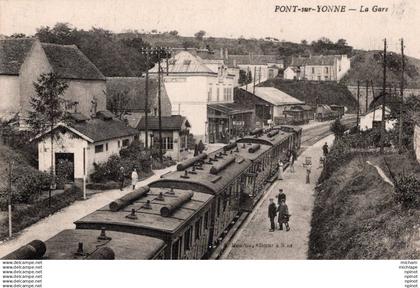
(358, 104)
(367, 96)
(383, 102)
(9, 204)
(146, 100)
(160, 110)
(255, 74)
(402, 97)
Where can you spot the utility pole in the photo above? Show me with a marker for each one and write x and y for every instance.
(358, 105)
(160, 110)
(367, 96)
(255, 74)
(146, 100)
(402, 97)
(9, 204)
(383, 102)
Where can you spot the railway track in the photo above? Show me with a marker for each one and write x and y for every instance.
(309, 137)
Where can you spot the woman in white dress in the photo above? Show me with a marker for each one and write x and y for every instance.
(134, 178)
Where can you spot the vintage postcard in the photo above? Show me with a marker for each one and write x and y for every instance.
(209, 130)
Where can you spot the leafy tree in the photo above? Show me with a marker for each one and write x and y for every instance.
(18, 35)
(200, 35)
(337, 128)
(173, 33)
(46, 108)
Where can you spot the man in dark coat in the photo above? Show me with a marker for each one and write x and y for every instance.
(281, 196)
(325, 149)
(283, 215)
(272, 212)
(201, 147)
(195, 150)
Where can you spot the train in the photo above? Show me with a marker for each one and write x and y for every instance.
(329, 112)
(185, 214)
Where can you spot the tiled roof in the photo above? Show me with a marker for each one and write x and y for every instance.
(135, 89)
(184, 62)
(100, 130)
(173, 122)
(275, 96)
(13, 53)
(70, 63)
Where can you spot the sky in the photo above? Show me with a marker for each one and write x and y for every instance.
(229, 18)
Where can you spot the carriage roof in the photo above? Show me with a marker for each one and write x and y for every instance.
(125, 245)
(148, 219)
(265, 139)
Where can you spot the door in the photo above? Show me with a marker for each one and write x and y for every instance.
(64, 168)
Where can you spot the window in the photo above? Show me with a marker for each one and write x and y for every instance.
(218, 207)
(206, 220)
(136, 137)
(125, 142)
(187, 239)
(99, 148)
(119, 144)
(168, 143)
(210, 93)
(197, 228)
(326, 70)
(326, 77)
(313, 70)
(106, 146)
(218, 94)
(175, 249)
(225, 94)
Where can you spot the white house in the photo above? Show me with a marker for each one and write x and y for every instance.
(85, 142)
(374, 117)
(318, 68)
(191, 85)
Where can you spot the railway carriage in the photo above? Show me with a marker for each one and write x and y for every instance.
(178, 217)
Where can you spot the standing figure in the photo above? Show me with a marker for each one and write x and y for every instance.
(281, 196)
(283, 215)
(134, 178)
(292, 163)
(200, 147)
(280, 175)
(272, 212)
(121, 177)
(195, 150)
(308, 173)
(325, 149)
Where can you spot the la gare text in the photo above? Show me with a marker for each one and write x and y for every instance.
(328, 8)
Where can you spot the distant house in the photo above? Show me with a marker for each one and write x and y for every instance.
(127, 95)
(175, 130)
(193, 86)
(373, 119)
(24, 60)
(318, 68)
(269, 103)
(85, 142)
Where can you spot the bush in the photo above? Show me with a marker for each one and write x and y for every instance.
(337, 128)
(407, 191)
(64, 172)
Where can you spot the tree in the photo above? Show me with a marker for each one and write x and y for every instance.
(337, 128)
(46, 108)
(118, 103)
(18, 35)
(173, 33)
(200, 35)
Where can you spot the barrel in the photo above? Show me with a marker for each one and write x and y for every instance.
(103, 253)
(190, 162)
(254, 148)
(256, 131)
(129, 198)
(230, 146)
(222, 165)
(273, 133)
(33, 250)
(174, 203)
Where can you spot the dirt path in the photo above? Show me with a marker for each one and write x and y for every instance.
(254, 241)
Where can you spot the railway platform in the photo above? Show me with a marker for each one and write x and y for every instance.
(254, 241)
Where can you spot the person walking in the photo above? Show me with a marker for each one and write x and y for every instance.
(200, 147)
(292, 163)
(280, 175)
(272, 212)
(325, 149)
(281, 196)
(134, 178)
(121, 177)
(283, 215)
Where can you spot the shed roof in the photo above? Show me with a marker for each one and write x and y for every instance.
(275, 96)
(13, 53)
(70, 63)
(229, 108)
(126, 246)
(173, 122)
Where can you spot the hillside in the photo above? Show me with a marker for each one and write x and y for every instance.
(315, 92)
(367, 65)
(356, 217)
